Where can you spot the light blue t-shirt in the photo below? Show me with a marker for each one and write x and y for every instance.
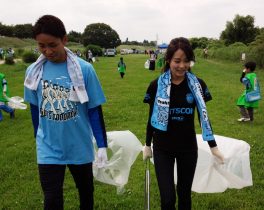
(64, 134)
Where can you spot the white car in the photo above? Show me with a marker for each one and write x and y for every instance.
(123, 51)
(110, 52)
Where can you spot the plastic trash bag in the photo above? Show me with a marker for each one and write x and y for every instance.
(211, 176)
(125, 147)
(16, 102)
(146, 65)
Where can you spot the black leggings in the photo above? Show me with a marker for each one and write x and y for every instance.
(164, 167)
(122, 74)
(52, 178)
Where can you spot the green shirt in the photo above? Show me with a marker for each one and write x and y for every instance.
(121, 67)
(2, 84)
(241, 101)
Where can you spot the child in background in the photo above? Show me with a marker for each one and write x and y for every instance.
(121, 67)
(249, 79)
(4, 92)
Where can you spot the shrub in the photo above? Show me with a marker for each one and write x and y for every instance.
(232, 53)
(20, 52)
(95, 49)
(257, 50)
(257, 54)
(29, 57)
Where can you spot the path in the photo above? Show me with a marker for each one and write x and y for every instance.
(16, 60)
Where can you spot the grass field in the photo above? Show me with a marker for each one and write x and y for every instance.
(124, 110)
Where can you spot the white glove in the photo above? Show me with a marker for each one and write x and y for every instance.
(215, 151)
(147, 152)
(101, 157)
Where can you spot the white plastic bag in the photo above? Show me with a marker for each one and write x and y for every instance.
(211, 176)
(16, 102)
(146, 65)
(125, 147)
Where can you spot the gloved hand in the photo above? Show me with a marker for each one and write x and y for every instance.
(101, 157)
(215, 151)
(147, 152)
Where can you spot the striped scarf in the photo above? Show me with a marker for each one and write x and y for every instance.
(160, 114)
(74, 69)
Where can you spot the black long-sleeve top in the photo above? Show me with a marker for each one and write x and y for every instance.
(181, 133)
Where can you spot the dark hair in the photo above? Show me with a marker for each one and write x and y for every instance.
(49, 24)
(176, 44)
(251, 65)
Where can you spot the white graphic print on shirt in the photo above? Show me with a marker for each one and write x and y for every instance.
(55, 104)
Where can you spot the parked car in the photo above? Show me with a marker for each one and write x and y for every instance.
(123, 51)
(110, 52)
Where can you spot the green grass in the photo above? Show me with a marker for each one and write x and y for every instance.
(124, 110)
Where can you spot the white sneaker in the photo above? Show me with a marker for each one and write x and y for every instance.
(246, 119)
(243, 119)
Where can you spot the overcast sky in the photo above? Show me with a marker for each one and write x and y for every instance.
(151, 20)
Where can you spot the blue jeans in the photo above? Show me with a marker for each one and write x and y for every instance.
(7, 109)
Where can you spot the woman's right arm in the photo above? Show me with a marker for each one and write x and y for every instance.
(149, 131)
(150, 98)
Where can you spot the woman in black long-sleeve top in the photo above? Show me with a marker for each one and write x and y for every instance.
(173, 98)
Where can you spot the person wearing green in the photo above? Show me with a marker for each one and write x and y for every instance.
(121, 67)
(160, 62)
(249, 79)
(4, 93)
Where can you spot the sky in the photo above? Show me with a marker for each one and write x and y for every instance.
(138, 20)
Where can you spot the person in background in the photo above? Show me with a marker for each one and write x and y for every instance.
(121, 67)
(205, 53)
(4, 93)
(249, 79)
(1, 53)
(152, 61)
(65, 97)
(172, 98)
(90, 56)
(160, 62)
(10, 52)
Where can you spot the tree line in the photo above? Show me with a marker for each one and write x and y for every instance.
(241, 29)
(99, 34)
(240, 33)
